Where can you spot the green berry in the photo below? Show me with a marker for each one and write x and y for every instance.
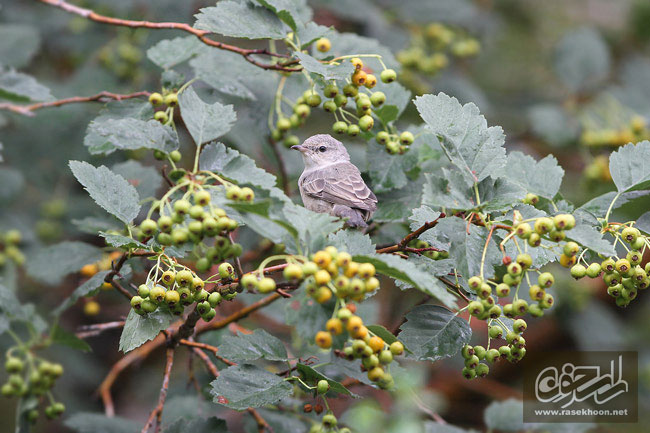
(161, 116)
(149, 306)
(545, 279)
(564, 221)
(623, 266)
(382, 137)
(479, 351)
(534, 240)
(492, 355)
(502, 290)
(469, 373)
(406, 138)
(330, 91)
(578, 271)
(172, 297)
(523, 230)
(143, 290)
(630, 234)
(475, 308)
(571, 249)
(330, 106)
(148, 227)
(388, 75)
(353, 130)
(136, 302)
(157, 294)
(182, 207)
(472, 361)
(519, 326)
(266, 285)
(482, 370)
(283, 124)
(155, 99)
(165, 224)
(14, 365)
(524, 260)
(495, 331)
(184, 278)
(202, 198)
(329, 421)
(214, 299)
(313, 100)
(340, 127)
(209, 315)
(302, 110)
(543, 225)
(385, 357)
(350, 90)
(531, 199)
(396, 348)
(608, 265)
(322, 387)
(341, 100)
(377, 99)
(226, 270)
(366, 123)
(175, 155)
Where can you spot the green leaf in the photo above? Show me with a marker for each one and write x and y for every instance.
(387, 113)
(198, 425)
(505, 415)
(542, 177)
(205, 122)
(383, 333)
(120, 241)
(388, 172)
(421, 216)
(242, 386)
(311, 31)
(250, 347)
(20, 87)
(89, 286)
(13, 36)
(9, 304)
(65, 338)
(140, 329)
(598, 206)
(312, 227)
(281, 422)
(91, 225)
(311, 377)
(627, 166)
(306, 315)
(105, 135)
(287, 10)
(397, 205)
(11, 182)
(466, 249)
(433, 332)
(88, 422)
(240, 20)
(553, 124)
(582, 59)
(476, 149)
(235, 166)
(328, 72)
(590, 237)
(145, 179)
(352, 241)
(409, 273)
(50, 264)
(171, 52)
(109, 190)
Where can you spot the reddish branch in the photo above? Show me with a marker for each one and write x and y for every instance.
(156, 413)
(28, 110)
(261, 422)
(213, 349)
(403, 244)
(200, 34)
(206, 360)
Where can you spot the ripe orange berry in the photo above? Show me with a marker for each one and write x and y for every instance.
(376, 343)
(354, 323)
(359, 78)
(357, 63)
(371, 81)
(567, 261)
(89, 270)
(324, 339)
(361, 333)
(334, 326)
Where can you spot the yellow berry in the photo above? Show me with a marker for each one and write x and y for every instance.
(91, 308)
(324, 339)
(334, 326)
(323, 45)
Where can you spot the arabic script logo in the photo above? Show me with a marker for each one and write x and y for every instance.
(580, 383)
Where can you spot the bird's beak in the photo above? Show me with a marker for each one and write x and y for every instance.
(298, 147)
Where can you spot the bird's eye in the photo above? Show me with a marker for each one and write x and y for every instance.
(322, 149)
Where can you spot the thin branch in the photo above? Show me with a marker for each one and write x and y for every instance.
(284, 178)
(156, 413)
(261, 422)
(27, 110)
(200, 34)
(206, 360)
(238, 315)
(402, 245)
(98, 328)
(213, 349)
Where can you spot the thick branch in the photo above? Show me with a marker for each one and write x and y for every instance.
(28, 110)
(201, 34)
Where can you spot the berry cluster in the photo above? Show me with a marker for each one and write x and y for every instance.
(328, 423)
(32, 376)
(623, 276)
(597, 170)
(9, 247)
(122, 55)
(177, 287)
(419, 244)
(49, 228)
(357, 88)
(165, 103)
(634, 130)
(430, 49)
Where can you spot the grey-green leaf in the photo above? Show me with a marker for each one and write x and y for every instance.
(205, 122)
(311, 377)
(50, 264)
(352, 241)
(145, 179)
(89, 422)
(106, 135)
(18, 35)
(582, 59)
(328, 72)
(542, 177)
(242, 386)
(171, 52)
(20, 87)
(250, 347)
(432, 332)
(109, 190)
(628, 168)
(240, 20)
(476, 149)
(140, 329)
(89, 286)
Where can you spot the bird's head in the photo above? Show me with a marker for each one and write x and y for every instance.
(322, 149)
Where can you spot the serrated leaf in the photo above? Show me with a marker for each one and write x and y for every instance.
(388, 172)
(305, 314)
(205, 122)
(9, 304)
(65, 338)
(20, 87)
(107, 135)
(240, 20)
(120, 241)
(433, 332)
(311, 31)
(387, 113)
(311, 377)
(327, 71)
(88, 287)
(421, 216)
(50, 264)
(312, 227)
(542, 177)
(92, 225)
(287, 10)
(476, 149)
(250, 347)
(140, 329)
(591, 238)
(628, 166)
(18, 35)
(409, 273)
(110, 191)
(598, 206)
(582, 59)
(88, 422)
(171, 52)
(146, 180)
(242, 386)
(200, 425)
(352, 241)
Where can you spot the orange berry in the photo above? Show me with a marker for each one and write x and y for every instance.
(376, 343)
(354, 323)
(371, 81)
(334, 326)
(89, 270)
(324, 340)
(359, 78)
(357, 63)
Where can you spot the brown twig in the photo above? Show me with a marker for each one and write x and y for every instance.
(261, 422)
(156, 413)
(284, 178)
(213, 349)
(240, 314)
(163, 171)
(98, 328)
(206, 360)
(402, 245)
(200, 34)
(27, 110)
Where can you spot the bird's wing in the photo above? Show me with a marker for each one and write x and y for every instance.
(340, 184)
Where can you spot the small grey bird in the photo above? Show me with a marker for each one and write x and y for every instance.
(331, 184)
